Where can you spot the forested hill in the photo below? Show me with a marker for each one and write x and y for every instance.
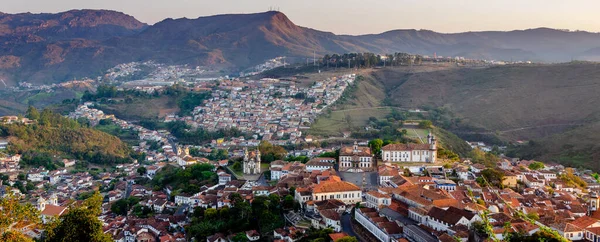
(53, 134)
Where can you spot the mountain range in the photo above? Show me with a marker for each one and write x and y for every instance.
(49, 48)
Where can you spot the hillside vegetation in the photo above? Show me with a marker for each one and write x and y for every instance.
(556, 105)
(56, 135)
(135, 105)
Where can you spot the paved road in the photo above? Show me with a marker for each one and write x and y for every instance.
(262, 181)
(181, 209)
(346, 225)
(357, 178)
(128, 189)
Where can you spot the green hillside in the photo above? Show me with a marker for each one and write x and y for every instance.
(56, 135)
(554, 105)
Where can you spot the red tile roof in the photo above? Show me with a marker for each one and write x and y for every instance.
(336, 236)
(52, 210)
(335, 186)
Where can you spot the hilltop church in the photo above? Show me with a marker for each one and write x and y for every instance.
(251, 162)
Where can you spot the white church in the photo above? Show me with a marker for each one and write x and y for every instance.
(251, 162)
(411, 152)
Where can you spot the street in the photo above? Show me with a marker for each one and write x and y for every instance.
(346, 225)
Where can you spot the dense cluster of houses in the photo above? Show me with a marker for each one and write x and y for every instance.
(270, 108)
(443, 203)
(164, 152)
(159, 73)
(15, 119)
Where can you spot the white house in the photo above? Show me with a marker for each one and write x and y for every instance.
(224, 178)
(329, 219)
(376, 199)
(341, 190)
(182, 199)
(441, 220)
(314, 165)
(444, 184)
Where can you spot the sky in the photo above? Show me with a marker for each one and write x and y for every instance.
(356, 16)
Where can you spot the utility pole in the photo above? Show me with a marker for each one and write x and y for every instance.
(314, 58)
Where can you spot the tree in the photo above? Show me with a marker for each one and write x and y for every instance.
(141, 170)
(80, 223)
(425, 124)
(347, 239)
(288, 202)
(270, 152)
(536, 165)
(240, 237)
(493, 176)
(32, 113)
(479, 156)
(376, 145)
(13, 212)
(533, 216)
(120, 207)
(572, 179)
(210, 213)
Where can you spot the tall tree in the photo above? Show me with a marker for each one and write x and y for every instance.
(375, 146)
(80, 223)
(32, 113)
(12, 213)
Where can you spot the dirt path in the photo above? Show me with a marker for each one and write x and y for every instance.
(368, 108)
(417, 133)
(520, 128)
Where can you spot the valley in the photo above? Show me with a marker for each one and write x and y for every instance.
(249, 127)
(554, 105)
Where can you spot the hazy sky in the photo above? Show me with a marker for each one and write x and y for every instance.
(357, 16)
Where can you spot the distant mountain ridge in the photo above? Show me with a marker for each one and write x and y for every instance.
(47, 48)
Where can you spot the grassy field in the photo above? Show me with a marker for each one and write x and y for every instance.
(416, 133)
(264, 166)
(353, 110)
(38, 97)
(335, 123)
